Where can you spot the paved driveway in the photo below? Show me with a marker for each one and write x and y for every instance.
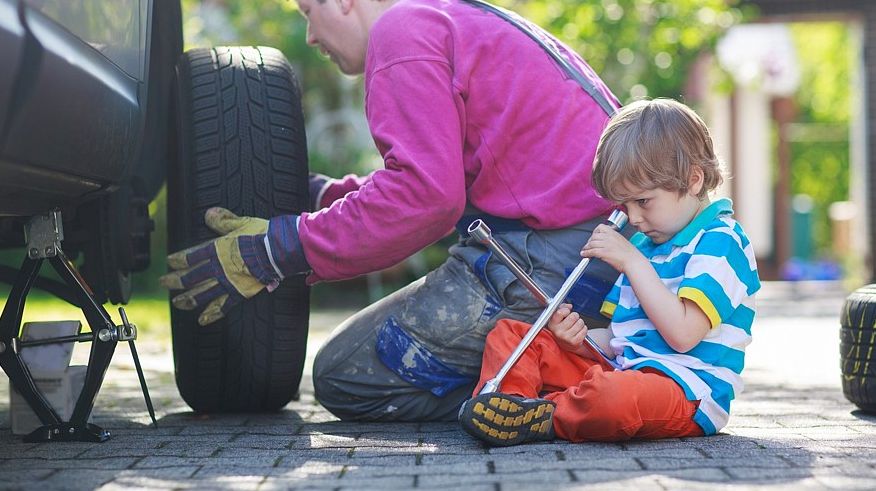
(791, 429)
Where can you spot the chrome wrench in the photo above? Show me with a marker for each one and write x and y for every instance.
(480, 232)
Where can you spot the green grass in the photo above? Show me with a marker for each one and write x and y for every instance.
(150, 315)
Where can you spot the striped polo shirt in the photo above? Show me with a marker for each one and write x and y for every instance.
(711, 263)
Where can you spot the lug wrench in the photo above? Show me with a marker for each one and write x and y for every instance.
(480, 232)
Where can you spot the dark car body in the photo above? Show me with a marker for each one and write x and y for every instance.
(85, 101)
(99, 108)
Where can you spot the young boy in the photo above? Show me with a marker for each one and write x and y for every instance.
(681, 310)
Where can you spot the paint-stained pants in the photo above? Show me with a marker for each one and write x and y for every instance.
(416, 354)
(595, 402)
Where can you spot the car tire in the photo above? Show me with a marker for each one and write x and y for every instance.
(857, 343)
(241, 145)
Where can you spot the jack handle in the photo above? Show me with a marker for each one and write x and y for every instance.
(480, 232)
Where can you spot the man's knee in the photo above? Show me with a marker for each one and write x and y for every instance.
(325, 392)
(336, 378)
(391, 378)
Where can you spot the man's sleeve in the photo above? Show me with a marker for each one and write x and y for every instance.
(337, 188)
(414, 115)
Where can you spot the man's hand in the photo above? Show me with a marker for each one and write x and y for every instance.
(220, 273)
(569, 329)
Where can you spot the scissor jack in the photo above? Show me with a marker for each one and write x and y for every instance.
(43, 235)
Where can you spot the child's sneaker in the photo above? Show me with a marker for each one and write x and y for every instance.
(502, 419)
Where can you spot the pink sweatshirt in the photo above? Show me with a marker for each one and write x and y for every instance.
(464, 108)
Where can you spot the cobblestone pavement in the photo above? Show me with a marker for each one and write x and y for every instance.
(791, 429)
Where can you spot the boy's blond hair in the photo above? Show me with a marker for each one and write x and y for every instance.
(652, 144)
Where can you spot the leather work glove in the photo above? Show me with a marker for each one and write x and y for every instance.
(245, 259)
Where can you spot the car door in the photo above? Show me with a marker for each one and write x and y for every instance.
(70, 119)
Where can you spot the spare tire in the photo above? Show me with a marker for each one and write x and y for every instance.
(858, 348)
(241, 145)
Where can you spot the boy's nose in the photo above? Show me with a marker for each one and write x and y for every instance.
(310, 38)
(635, 218)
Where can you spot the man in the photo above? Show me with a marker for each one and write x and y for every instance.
(473, 120)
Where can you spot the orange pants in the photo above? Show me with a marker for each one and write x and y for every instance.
(594, 401)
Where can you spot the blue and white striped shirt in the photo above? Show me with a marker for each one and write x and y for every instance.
(711, 263)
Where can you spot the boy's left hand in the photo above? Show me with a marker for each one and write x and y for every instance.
(568, 329)
(608, 244)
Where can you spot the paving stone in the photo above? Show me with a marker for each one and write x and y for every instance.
(384, 460)
(505, 465)
(80, 463)
(654, 463)
(14, 448)
(468, 487)
(319, 440)
(845, 482)
(328, 455)
(784, 485)
(467, 468)
(381, 483)
(187, 449)
(700, 474)
(58, 450)
(791, 429)
(452, 458)
(78, 479)
(147, 479)
(15, 476)
(366, 452)
(141, 485)
(274, 484)
(259, 441)
(311, 469)
(644, 483)
(160, 462)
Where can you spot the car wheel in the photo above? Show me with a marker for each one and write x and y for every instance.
(241, 145)
(857, 343)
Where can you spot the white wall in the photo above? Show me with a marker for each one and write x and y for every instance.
(751, 169)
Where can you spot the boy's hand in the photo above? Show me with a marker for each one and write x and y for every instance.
(612, 247)
(568, 329)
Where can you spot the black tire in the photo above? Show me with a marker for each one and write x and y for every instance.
(858, 348)
(242, 146)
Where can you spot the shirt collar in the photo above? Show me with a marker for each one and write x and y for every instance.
(720, 207)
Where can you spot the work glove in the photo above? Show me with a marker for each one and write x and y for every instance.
(317, 184)
(251, 254)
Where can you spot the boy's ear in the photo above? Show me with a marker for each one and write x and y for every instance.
(696, 180)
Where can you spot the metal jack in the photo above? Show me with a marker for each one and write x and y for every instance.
(44, 234)
(480, 232)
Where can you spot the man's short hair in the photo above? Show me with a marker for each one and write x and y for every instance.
(652, 144)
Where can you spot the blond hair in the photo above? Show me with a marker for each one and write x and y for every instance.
(652, 144)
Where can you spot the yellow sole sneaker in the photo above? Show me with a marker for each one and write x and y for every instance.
(502, 420)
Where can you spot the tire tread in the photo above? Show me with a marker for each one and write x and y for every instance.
(858, 347)
(243, 126)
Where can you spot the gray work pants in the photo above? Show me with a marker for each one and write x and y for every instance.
(416, 354)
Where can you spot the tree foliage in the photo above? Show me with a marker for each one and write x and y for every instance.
(820, 147)
(640, 47)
